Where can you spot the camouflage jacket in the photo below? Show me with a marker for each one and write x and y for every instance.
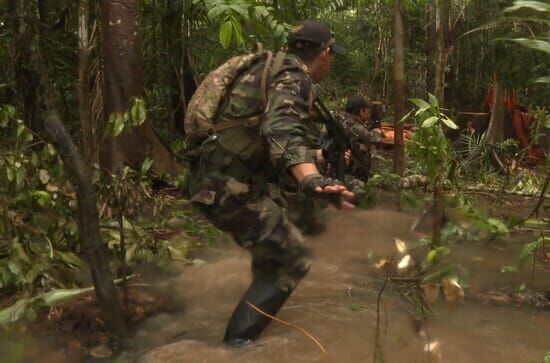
(356, 128)
(287, 135)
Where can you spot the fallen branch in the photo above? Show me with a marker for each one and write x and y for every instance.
(302, 330)
(509, 192)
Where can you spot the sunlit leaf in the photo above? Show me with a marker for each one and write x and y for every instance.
(401, 246)
(404, 262)
(452, 290)
(138, 112)
(420, 103)
(44, 176)
(42, 198)
(430, 121)
(545, 79)
(433, 100)
(535, 44)
(449, 123)
(431, 346)
(533, 5)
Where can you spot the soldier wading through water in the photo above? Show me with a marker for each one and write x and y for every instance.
(262, 139)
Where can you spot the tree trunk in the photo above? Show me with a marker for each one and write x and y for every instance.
(441, 29)
(430, 47)
(24, 72)
(399, 92)
(122, 82)
(84, 81)
(96, 253)
(495, 130)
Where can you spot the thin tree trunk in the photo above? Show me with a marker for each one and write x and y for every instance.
(96, 253)
(439, 210)
(123, 81)
(25, 75)
(399, 92)
(84, 81)
(441, 25)
(495, 130)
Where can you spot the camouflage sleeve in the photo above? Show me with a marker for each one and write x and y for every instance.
(287, 130)
(357, 130)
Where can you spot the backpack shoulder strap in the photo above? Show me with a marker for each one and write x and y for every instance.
(265, 74)
(277, 63)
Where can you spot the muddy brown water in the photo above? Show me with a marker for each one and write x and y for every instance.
(336, 303)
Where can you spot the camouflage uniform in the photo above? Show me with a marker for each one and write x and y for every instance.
(237, 175)
(360, 134)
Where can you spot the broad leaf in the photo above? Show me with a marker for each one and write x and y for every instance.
(433, 100)
(545, 79)
(535, 44)
(532, 5)
(430, 121)
(226, 34)
(420, 103)
(449, 123)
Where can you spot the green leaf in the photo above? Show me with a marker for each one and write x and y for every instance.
(44, 176)
(545, 79)
(42, 198)
(528, 251)
(138, 112)
(146, 165)
(118, 123)
(449, 123)
(499, 225)
(508, 269)
(430, 121)
(237, 30)
(359, 307)
(433, 100)
(226, 34)
(420, 103)
(240, 9)
(535, 44)
(533, 5)
(404, 118)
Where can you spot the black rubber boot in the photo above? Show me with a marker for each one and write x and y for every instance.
(246, 324)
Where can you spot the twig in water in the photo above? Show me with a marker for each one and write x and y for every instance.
(299, 328)
(377, 348)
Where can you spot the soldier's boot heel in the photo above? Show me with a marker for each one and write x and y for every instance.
(246, 324)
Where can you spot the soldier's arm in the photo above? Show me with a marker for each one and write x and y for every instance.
(286, 131)
(289, 136)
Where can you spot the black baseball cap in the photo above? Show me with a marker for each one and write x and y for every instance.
(311, 34)
(356, 104)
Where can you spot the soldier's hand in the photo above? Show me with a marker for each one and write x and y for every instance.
(332, 189)
(347, 156)
(377, 135)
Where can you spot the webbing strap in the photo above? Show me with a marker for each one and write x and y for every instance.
(247, 122)
(277, 63)
(263, 81)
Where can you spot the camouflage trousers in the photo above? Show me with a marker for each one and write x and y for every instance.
(257, 220)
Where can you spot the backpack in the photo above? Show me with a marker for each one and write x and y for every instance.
(202, 112)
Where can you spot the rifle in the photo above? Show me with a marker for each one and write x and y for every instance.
(338, 141)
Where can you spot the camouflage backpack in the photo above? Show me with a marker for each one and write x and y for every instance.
(202, 112)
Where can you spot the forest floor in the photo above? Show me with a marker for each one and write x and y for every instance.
(180, 316)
